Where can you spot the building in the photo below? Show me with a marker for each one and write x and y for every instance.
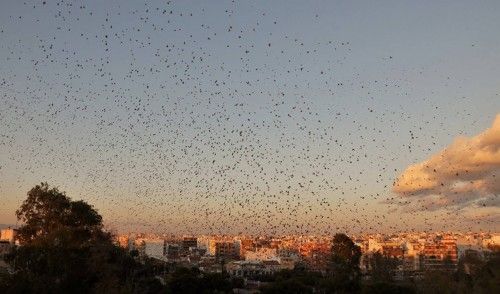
(172, 251)
(208, 264)
(210, 244)
(393, 250)
(440, 255)
(373, 246)
(226, 250)
(247, 245)
(189, 242)
(155, 249)
(261, 254)
(123, 241)
(492, 241)
(238, 248)
(288, 258)
(8, 235)
(250, 269)
(412, 257)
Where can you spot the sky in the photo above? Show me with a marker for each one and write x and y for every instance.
(255, 116)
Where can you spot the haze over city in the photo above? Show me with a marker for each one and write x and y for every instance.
(260, 117)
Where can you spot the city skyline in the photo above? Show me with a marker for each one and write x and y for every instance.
(233, 117)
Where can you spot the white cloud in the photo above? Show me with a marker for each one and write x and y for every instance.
(466, 173)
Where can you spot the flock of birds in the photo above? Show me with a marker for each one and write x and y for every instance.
(185, 118)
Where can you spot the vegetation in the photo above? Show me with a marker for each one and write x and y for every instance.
(65, 250)
(191, 280)
(344, 269)
(382, 268)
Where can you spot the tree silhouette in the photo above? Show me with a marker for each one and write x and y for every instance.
(382, 267)
(64, 249)
(344, 267)
(50, 216)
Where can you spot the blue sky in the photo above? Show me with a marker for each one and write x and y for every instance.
(275, 112)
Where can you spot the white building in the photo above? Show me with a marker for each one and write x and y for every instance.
(252, 268)
(261, 254)
(155, 249)
(374, 245)
(493, 241)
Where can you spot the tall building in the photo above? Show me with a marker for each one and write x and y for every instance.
(237, 248)
(411, 257)
(211, 246)
(189, 242)
(226, 250)
(441, 254)
(172, 250)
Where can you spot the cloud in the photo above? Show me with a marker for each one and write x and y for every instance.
(466, 173)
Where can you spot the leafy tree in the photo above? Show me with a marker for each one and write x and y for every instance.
(185, 280)
(51, 218)
(470, 264)
(308, 278)
(344, 267)
(191, 280)
(487, 279)
(287, 286)
(437, 281)
(382, 268)
(387, 288)
(64, 249)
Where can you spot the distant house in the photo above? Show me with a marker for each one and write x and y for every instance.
(8, 234)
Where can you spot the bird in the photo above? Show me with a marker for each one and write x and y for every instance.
(207, 118)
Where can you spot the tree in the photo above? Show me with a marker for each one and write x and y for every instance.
(344, 266)
(287, 286)
(437, 281)
(298, 280)
(191, 280)
(64, 249)
(470, 264)
(487, 279)
(388, 288)
(382, 267)
(50, 216)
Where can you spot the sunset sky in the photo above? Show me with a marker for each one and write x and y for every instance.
(255, 116)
